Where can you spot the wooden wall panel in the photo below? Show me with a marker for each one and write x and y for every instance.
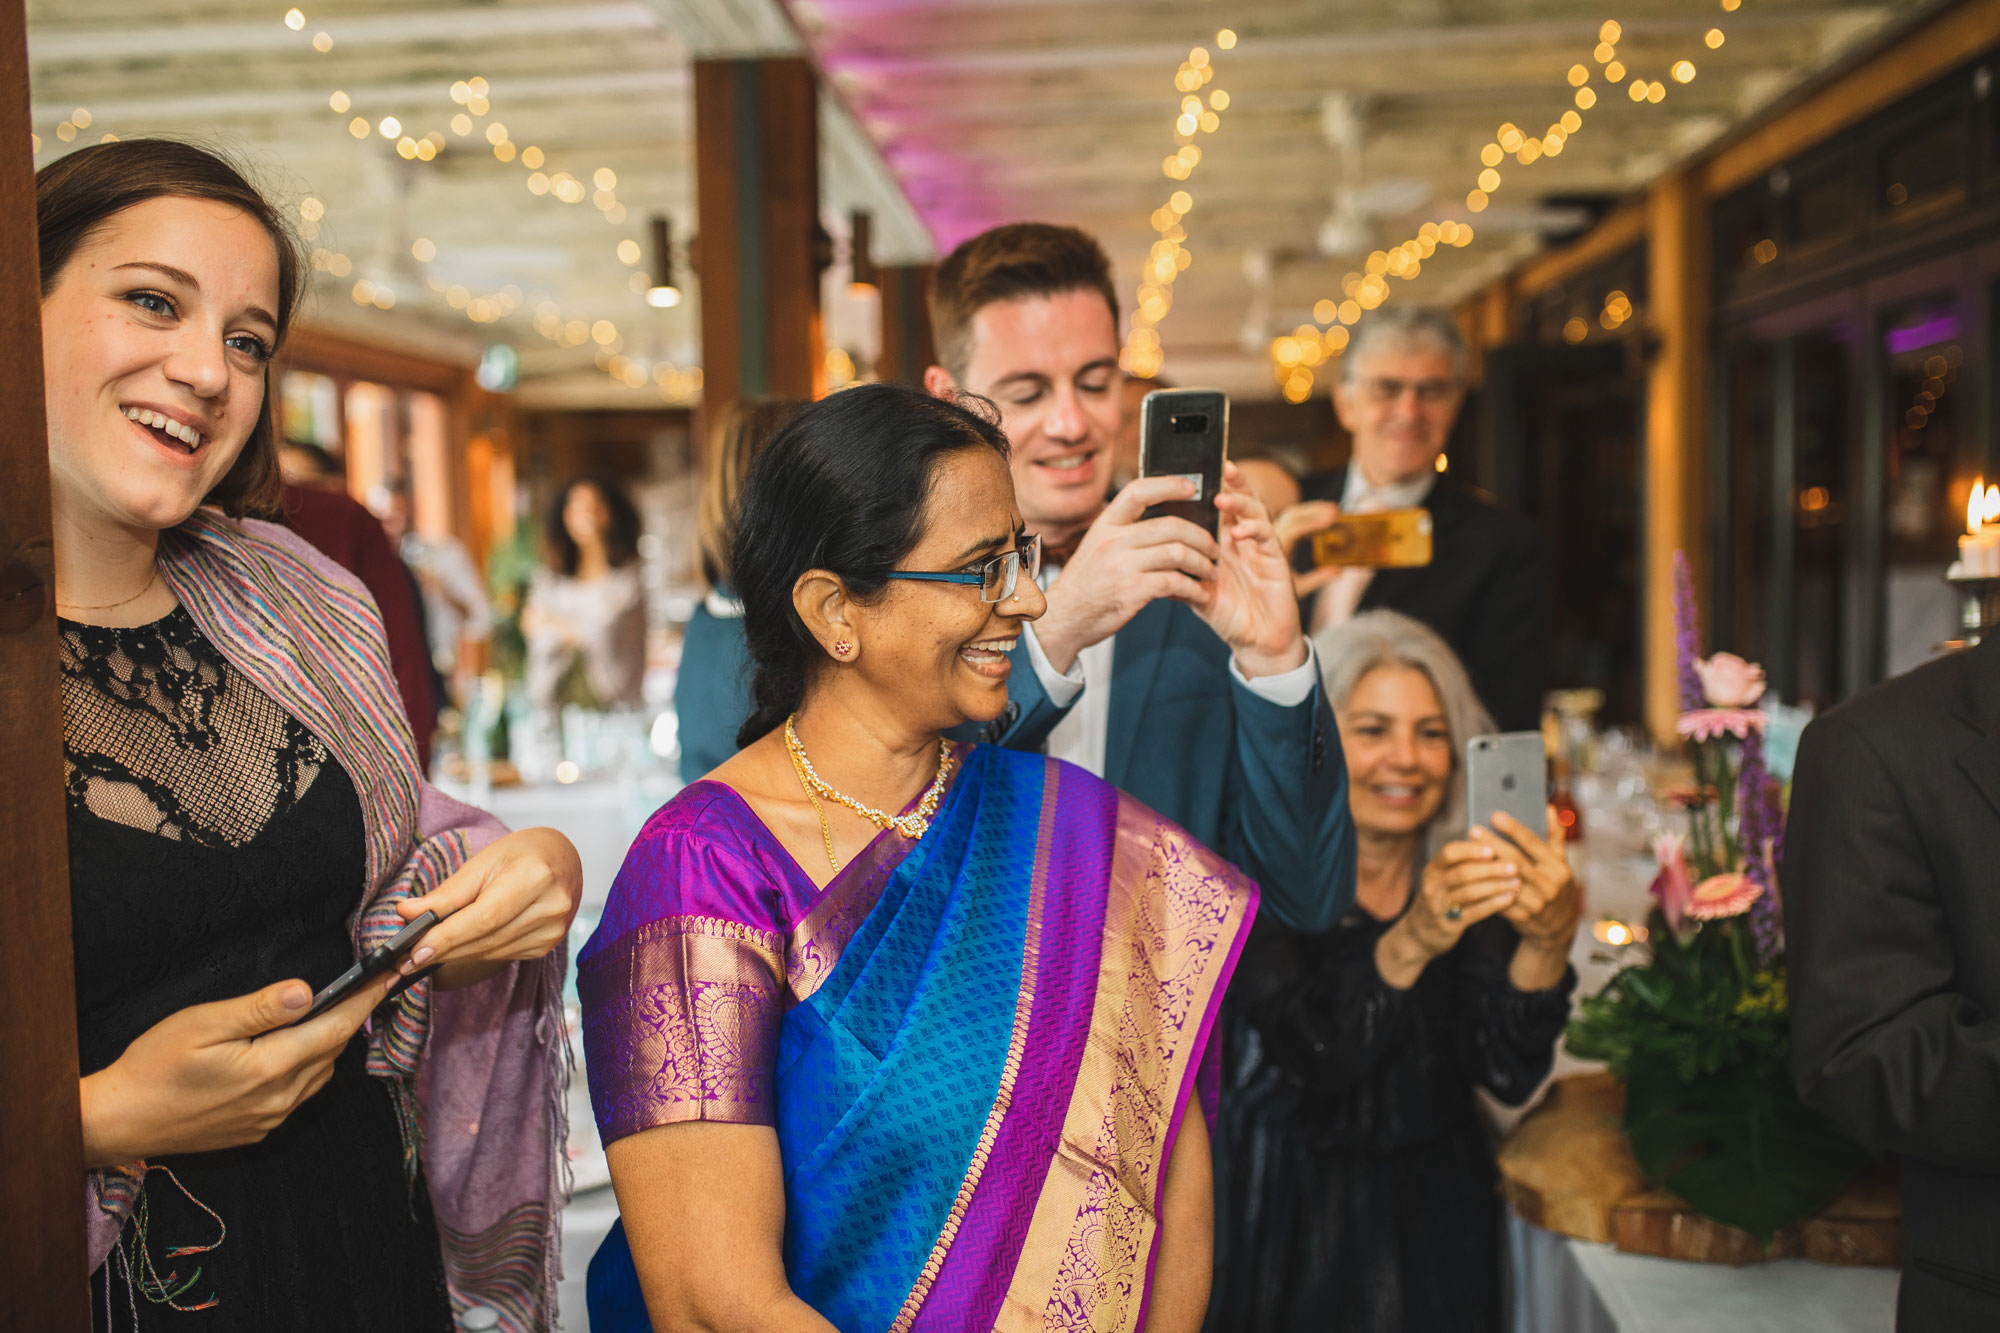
(907, 347)
(41, 1144)
(758, 252)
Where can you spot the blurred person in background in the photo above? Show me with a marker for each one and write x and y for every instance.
(1400, 388)
(316, 505)
(712, 690)
(454, 595)
(585, 615)
(1355, 1182)
(1170, 663)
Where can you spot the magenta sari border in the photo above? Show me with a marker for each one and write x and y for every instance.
(980, 1264)
(1209, 1016)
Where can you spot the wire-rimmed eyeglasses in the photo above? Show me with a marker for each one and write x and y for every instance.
(997, 578)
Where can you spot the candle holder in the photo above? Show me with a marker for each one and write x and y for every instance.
(1978, 608)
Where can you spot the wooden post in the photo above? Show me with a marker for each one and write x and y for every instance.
(1677, 294)
(42, 1258)
(760, 249)
(907, 349)
(1486, 322)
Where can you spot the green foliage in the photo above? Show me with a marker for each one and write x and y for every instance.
(1699, 1037)
(509, 567)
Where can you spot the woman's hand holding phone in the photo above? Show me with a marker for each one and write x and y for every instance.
(218, 1075)
(1465, 883)
(1550, 902)
(512, 901)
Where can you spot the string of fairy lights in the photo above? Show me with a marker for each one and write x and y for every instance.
(1295, 356)
(1169, 258)
(473, 99)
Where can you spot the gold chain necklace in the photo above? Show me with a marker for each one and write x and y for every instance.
(913, 825)
(113, 606)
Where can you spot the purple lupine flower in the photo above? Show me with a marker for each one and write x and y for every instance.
(1687, 639)
(1757, 824)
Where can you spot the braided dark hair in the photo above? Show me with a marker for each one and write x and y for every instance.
(844, 487)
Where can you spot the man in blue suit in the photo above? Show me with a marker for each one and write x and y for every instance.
(1171, 663)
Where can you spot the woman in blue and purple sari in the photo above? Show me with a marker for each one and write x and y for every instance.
(883, 1031)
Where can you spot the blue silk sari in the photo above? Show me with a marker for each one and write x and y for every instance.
(975, 1049)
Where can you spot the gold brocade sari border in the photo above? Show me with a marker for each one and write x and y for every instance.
(1016, 1050)
(1172, 912)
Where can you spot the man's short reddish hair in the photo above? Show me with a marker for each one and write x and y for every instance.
(1007, 263)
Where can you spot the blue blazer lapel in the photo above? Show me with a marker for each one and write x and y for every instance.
(1135, 660)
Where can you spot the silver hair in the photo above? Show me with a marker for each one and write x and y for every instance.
(1402, 327)
(1374, 639)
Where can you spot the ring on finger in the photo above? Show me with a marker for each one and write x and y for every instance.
(1453, 912)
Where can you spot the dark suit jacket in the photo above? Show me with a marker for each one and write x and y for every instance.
(1486, 591)
(1264, 785)
(1892, 914)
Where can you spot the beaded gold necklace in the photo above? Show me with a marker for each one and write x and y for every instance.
(913, 825)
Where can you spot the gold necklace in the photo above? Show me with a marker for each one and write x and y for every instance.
(913, 825)
(113, 606)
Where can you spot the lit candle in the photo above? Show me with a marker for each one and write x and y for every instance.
(1979, 548)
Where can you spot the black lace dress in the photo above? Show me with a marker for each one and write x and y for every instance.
(1355, 1182)
(217, 846)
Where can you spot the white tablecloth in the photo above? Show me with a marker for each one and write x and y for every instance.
(1562, 1285)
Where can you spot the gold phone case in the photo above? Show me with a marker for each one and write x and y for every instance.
(1391, 539)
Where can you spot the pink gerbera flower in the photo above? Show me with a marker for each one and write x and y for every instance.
(1705, 724)
(1721, 896)
(1672, 888)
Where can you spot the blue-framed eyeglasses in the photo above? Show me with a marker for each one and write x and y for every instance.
(997, 578)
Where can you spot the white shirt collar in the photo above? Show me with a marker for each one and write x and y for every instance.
(1409, 493)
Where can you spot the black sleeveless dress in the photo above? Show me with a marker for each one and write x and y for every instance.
(217, 846)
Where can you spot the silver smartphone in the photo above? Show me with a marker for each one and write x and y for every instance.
(1508, 772)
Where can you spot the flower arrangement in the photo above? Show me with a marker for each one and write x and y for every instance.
(1699, 1031)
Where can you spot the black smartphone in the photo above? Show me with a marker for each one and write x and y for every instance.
(1185, 433)
(372, 964)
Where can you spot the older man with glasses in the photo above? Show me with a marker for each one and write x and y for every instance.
(1486, 587)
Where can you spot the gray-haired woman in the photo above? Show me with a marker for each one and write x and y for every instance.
(1355, 1181)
